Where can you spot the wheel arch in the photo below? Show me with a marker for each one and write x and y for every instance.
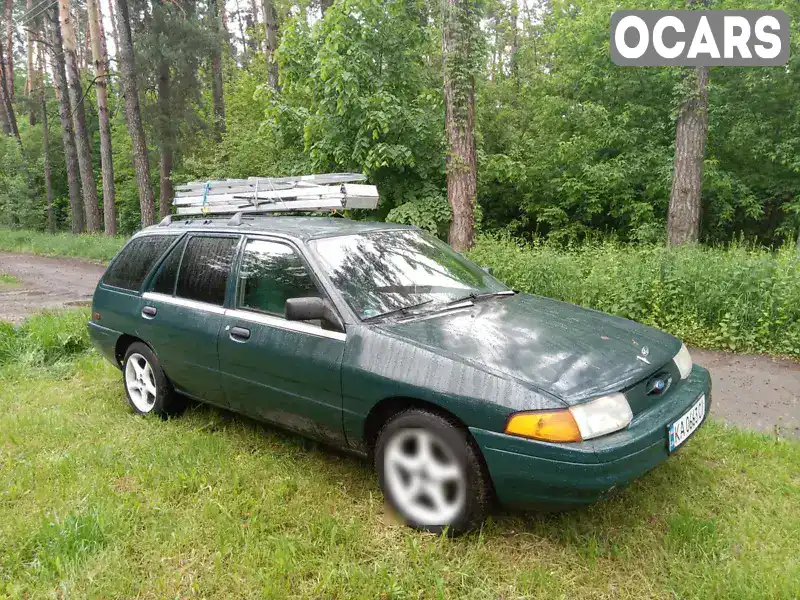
(386, 408)
(123, 343)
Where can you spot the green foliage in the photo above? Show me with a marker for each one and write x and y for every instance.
(733, 298)
(432, 214)
(358, 95)
(45, 338)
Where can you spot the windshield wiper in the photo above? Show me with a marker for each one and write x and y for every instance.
(402, 309)
(477, 297)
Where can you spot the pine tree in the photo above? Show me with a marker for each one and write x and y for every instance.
(82, 143)
(133, 114)
(65, 115)
(100, 63)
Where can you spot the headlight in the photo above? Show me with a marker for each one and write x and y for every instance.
(582, 422)
(683, 360)
(602, 415)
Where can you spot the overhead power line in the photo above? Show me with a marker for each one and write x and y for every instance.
(29, 17)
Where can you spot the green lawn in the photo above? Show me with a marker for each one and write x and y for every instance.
(96, 502)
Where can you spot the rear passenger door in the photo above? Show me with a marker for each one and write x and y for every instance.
(118, 297)
(287, 372)
(182, 312)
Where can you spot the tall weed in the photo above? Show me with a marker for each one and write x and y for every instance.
(86, 245)
(734, 298)
(45, 338)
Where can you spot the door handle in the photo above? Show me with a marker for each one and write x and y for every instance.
(148, 312)
(239, 334)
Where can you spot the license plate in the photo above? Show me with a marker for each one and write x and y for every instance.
(681, 429)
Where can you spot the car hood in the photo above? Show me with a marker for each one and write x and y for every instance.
(570, 352)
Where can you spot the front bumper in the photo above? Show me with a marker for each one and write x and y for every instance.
(533, 474)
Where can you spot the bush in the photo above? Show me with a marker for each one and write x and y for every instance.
(45, 338)
(94, 246)
(734, 298)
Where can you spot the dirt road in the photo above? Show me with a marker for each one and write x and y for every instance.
(755, 392)
(44, 282)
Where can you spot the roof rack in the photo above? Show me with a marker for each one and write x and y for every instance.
(303, 193)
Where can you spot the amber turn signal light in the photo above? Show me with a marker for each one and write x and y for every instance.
(546, 425)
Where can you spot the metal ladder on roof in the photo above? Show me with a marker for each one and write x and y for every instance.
(303, 193)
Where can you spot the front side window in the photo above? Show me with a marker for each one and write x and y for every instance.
(271, 273)
(383, 271)
(135, 261)
(204, 269)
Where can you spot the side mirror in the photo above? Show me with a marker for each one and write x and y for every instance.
(312, 309)
(488, 270)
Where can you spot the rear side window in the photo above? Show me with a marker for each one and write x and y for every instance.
(135, 261)
(164, 281)
(271, 273)
(204, 269)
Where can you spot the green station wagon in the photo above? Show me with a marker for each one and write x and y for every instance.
(382, 340)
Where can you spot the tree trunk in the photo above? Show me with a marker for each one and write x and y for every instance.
(223, 13)
(30, 80)
(165, 188)
(88, 185)
(65, 115)
(48, 175)
(459, 96)
(254, 11)
(9, 50)
(100, 60)
(114, 33)
(691, 132)
(5, 93)
(5, 124)
(216, 74)
(127, 74)
(271, 31)
(798, 240)
(324, 5)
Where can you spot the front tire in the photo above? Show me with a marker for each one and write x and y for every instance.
(146, 386)
(431, 473)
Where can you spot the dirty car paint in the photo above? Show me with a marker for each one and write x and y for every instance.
(479, 361)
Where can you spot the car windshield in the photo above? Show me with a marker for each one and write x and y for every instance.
(386, 271)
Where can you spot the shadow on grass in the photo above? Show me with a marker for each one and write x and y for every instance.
(645, 503)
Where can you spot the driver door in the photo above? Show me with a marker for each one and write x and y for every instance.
(286, 372)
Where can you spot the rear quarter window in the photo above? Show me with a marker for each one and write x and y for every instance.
(134, 262)
(164, 280)
(205, 268)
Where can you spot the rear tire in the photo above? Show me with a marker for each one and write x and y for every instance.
(431, 473)
(146, 386)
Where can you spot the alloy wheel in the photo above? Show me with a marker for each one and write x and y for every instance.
(424, 478)
(140, 383)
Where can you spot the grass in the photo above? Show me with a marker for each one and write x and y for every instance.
(94, 246)
(7, 281)
(45, 338)
(96, 502)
